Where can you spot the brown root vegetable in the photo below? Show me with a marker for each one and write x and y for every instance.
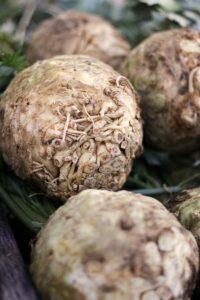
(70, 123)
(165, 70)
(114, 246)
(186, 207)
(76, 32)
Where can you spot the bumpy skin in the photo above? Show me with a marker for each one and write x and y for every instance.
(165, 70)
(186, 207)
(75, 32)
(70, 123)
(114, 245)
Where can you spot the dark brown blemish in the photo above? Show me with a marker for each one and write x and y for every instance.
(108, 288)
(183, 90)
(2, 112)
(126, 223)
(184, 76)
(94, 257)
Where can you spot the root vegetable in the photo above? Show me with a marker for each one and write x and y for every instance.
(114, 245)
(76, 32)
(186, 207)
(70, 123)
(165, 70)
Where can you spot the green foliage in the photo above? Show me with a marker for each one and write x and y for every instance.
(10, 64)
(25, 202)
(149, 16)
(11, 60)
(15, 61)
(159, 174)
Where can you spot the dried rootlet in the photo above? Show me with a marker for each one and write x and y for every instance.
(165, 69)
(114, 246)
(186, 207)
(70, 123)
(76, 32)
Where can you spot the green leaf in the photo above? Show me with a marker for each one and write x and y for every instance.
(29, 205)
(11, 60)
(14, 60)
(170, 5)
